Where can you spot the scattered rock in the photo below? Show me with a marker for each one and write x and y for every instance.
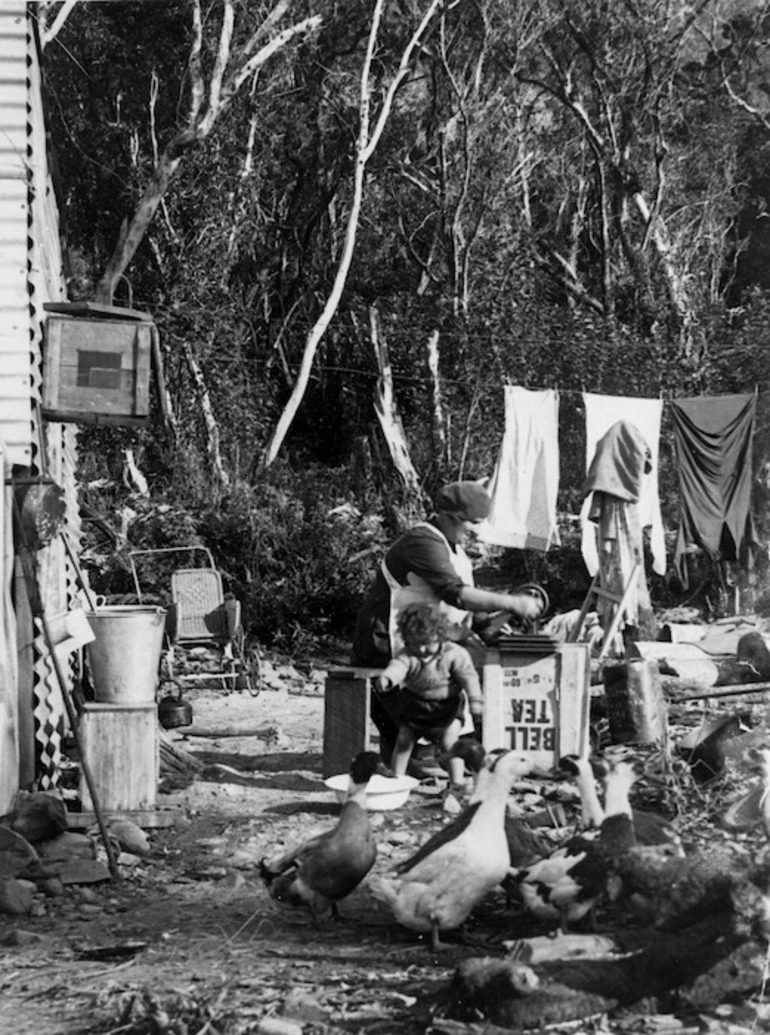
(400, 837)
(16, 853)
(83, 871)
(88, 911)
(51, 887)
(130, 837)
(451, 806)
(68, 845)
(129, 860)
(16, 897)
(86, 894)
(40, 815)
(300, 1006)
(233, 881)
(21, 938)
(278, 1026)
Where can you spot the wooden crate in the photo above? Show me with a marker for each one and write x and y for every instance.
(120, 745)
(538, 703)
(97, 370)
(347, 717)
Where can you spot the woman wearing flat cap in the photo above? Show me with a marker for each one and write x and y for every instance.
(427, 563)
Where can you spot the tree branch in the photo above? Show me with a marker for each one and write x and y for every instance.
(197, 129)
(48, 35)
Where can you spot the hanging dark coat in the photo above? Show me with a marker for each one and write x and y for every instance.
(713, 438)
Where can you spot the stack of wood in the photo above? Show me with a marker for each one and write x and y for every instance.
(178, 768)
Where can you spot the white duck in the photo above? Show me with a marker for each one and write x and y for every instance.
(650, 828)
(581, 772)
(437, 892)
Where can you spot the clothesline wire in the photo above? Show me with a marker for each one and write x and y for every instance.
(416, 379)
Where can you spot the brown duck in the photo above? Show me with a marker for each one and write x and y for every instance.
(321, 871)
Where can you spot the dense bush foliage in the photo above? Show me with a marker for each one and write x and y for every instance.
(569, 196)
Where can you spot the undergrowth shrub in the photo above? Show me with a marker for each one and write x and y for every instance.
(298, 556)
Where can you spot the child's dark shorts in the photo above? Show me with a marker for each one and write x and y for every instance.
(427, 718)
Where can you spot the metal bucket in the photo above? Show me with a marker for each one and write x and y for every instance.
(124, 656)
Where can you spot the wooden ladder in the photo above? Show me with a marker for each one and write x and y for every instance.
(619, 599)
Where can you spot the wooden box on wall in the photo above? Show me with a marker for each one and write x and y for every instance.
(97, 364)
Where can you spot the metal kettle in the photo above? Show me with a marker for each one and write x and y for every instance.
(173, 710)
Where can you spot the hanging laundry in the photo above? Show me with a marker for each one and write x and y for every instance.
(613, 488)
(525, 482)
(713, 437)
(602, 412)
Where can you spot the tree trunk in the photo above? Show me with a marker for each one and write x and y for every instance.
(387, 412)
(210, 421)
(439, 419)
(365, 147)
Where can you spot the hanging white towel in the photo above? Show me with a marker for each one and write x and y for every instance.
(602, 411)
(525, 483)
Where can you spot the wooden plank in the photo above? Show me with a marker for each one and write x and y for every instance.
(347, 718)
(120, 744)
(658, 650)
(493, 718)
(148, 819)
(573, 699)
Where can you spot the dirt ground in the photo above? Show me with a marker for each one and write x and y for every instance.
(189, 941)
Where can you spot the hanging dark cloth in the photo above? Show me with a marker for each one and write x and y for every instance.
(713, 437)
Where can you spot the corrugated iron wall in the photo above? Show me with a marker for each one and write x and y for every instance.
(54, 444)
(15, 385)
(31, 273)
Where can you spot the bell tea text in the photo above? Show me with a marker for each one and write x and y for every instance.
(532, 726)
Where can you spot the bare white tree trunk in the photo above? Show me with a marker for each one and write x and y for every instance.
(209, 420)
(387, 411)
(365, 147)
(439, 418)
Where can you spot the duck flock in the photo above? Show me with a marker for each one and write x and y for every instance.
(619, 853)
(622, 864)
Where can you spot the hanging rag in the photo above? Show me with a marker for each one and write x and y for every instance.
(525, 482)
(713, 437)
(602, 412)
(613, 486)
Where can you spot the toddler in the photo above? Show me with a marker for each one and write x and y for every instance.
(428, 687)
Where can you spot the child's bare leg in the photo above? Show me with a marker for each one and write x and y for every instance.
(402, 752)
(456, 765)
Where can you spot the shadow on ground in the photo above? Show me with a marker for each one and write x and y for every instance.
(315, 808)
(281, 762)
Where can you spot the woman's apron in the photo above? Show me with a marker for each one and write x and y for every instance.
(418, 591)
